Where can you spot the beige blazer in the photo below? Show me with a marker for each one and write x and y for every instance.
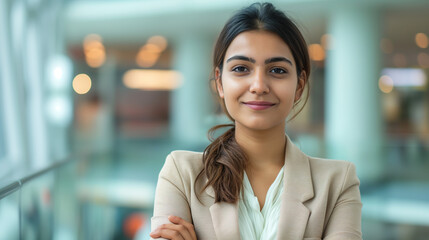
(321, 199)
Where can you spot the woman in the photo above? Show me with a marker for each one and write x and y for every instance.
(252, 182)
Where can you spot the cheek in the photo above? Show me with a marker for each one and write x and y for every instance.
(230, 89)
(228, 99)
(287, 95)
(231, 97)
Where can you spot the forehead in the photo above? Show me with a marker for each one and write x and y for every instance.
(259, 45)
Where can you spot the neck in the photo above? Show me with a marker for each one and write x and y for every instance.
(265, 149)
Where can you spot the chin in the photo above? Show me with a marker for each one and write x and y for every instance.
(260, 125)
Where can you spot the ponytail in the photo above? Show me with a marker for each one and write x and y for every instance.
(224, 162)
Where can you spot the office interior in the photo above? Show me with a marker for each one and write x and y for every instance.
(95, 94)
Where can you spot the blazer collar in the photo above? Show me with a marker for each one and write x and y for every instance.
(297, 189)
(298, 181)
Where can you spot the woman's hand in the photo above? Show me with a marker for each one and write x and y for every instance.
(178, 230)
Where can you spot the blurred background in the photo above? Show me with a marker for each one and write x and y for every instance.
(94, 94)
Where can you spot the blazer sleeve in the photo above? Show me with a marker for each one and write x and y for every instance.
(345, 220)
(170, 197)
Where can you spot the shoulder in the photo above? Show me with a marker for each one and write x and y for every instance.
(184, 163)
(334, 172)
(330, 165)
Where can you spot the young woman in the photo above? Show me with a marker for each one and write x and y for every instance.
(252, 182)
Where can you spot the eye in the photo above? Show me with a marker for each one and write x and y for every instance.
(240, 69)
(278, 70)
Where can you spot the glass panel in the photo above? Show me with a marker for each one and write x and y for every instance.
(66, 208)
(111, 206)
(37, 208)
(9, 216)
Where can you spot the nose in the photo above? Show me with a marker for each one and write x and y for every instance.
(259, 84)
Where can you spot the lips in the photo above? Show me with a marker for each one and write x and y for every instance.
(259, 105)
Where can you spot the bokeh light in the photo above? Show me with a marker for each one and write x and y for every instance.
(159, 41)
(422, 40)
(82, 83)
(59, 110)
(152, 80)
(423, 60)
(317, 53)
(149, 53)
(95, 54)
(385, 83)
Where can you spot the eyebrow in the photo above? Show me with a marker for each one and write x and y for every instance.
(239, 57)
(270, 60)
(278, 59)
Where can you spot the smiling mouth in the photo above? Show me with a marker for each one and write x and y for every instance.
(259, 105)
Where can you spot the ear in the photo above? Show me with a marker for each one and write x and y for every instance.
(301, 85)
(218, 79)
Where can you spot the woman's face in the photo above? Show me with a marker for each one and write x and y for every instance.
(259, 82)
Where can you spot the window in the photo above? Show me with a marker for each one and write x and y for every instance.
(2, 133)
(3, 56)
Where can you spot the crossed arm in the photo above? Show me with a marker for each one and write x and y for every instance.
(172, 215)
(178, 229)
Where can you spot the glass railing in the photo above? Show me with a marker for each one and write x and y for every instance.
(64, 202)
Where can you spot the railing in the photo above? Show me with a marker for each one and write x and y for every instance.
(19, 212)
(14, 185)
(65, 201)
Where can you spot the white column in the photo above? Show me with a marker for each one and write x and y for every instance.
(38, 139)
(11, 94)
(353, 117)
(191, 104)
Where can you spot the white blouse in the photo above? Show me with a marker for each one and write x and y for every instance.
(253, 223)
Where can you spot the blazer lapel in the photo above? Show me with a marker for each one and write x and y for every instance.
(298, 188)
(224, 218)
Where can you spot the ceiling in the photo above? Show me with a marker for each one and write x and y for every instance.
(130, 23)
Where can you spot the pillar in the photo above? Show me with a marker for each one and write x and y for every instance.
(353, 116)
(191, 103)
(11, 93)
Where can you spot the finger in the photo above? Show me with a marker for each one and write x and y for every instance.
(166, 233)
(188, 225)
(179, 228)
(184, 231)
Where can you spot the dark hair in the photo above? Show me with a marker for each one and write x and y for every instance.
(224, 160)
